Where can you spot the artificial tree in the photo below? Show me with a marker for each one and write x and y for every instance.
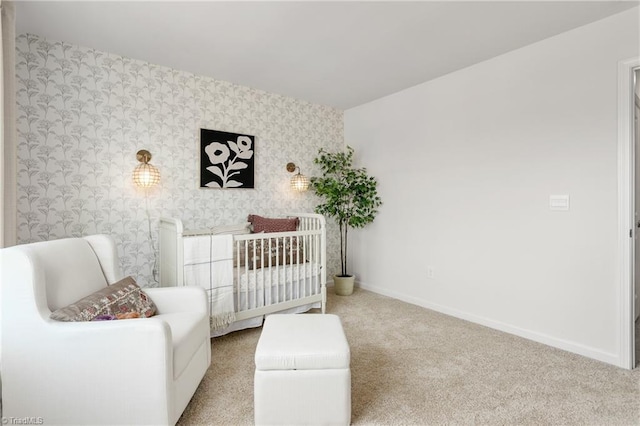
(350, 196)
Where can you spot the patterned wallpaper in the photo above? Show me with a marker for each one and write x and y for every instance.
(83, 114)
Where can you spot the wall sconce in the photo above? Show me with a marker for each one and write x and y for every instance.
(145, 175)
(299, 182)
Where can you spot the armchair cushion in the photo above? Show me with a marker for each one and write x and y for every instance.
(120, 299)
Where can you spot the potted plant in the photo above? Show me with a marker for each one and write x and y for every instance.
(350, 197)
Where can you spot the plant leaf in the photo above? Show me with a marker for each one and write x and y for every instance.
(216, 171)
(232, 184)
(234, 147)
(245, 155)
(213, 184)
(238, 166)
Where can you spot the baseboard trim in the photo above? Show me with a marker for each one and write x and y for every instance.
(545, 339)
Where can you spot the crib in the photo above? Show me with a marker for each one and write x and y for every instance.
(247, 275)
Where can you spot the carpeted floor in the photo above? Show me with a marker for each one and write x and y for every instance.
(413, 366)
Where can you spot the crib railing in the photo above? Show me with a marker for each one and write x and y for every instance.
(277, 271)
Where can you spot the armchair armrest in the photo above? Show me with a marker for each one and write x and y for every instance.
(179, 299)
(101, 343)
(115, 361)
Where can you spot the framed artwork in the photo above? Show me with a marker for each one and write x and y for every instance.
(226, 159)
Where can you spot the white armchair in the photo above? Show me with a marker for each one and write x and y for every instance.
(137, 371)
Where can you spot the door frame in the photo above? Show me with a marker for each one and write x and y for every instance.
(626, 211)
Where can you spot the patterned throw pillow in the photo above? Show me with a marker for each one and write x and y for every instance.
(272, 251)
(123, 299)
(265, 224)
(279, 251)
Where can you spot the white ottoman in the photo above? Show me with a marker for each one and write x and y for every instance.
(302, 371)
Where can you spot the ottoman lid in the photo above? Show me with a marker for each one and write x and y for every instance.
(302, 342)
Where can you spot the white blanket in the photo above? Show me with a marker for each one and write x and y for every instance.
(208, 263)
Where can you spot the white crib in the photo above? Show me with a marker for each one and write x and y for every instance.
(271, 272)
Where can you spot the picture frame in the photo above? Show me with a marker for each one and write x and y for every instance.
(227, 160)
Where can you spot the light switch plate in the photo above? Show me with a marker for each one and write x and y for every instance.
(559, 202)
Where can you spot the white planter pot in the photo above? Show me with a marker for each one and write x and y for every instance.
(343, 286)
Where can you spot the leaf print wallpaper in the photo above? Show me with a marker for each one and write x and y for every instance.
(83, 114)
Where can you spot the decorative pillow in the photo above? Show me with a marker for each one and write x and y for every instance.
(265, 224)
(289, 251)
(122, 299)
(105, 318)
(281, 251)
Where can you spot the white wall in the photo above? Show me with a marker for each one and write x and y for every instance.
(466, 164)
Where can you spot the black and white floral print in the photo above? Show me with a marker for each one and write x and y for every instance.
(226, 160)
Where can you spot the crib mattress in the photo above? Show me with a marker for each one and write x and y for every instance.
(281, 274)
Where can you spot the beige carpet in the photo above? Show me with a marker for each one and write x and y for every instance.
(412, 366)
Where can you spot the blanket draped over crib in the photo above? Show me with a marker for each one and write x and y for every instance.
(208, 262)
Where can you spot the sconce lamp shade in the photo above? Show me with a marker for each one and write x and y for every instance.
(145, 175)
(299, 182)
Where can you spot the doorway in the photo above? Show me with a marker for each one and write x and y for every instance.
(627, 223)
(636, 138)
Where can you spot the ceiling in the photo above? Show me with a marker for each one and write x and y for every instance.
(341, 54)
